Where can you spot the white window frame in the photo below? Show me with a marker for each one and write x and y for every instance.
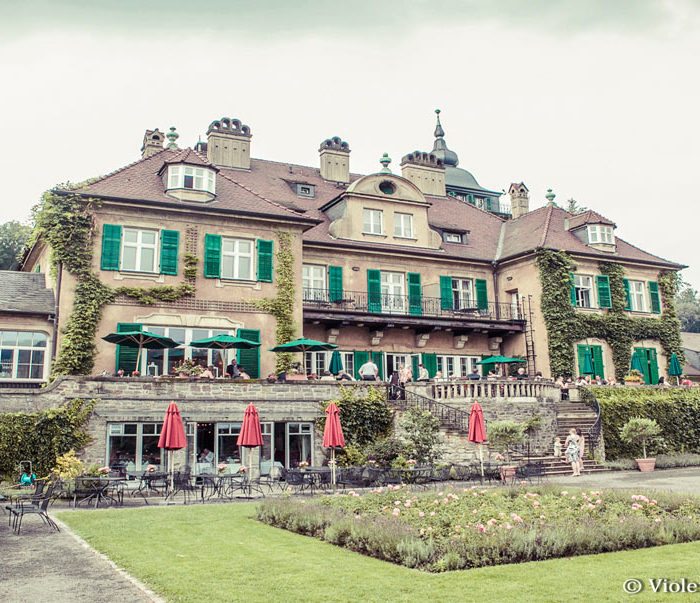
(453, 237)
(581, 285)
(236, 254)
(140, 245)
(117, 429)
(16, 348)
(393, 288)
(599, 233)
(372, 221)
(313, 282)
(638, 296)
(203, 179)
(460, 365)
(403, 225)
(463, 293)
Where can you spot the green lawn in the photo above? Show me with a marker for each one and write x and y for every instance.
(219, 553)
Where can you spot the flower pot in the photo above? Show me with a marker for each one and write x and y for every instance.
(646, 465)
(632, 383)
(508, 472)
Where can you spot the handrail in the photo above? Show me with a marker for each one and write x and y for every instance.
(595, 430)
(447, 415)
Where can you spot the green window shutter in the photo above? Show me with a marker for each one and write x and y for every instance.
(470, 198)
(581, 354)
(359, 358)
(250, 359)
(430, 362)
(603, 286)
(374, 291)
(653, 367)
(264, 261)
(169, 241)
(335, 283)
(446, 300)
(628, 297)
(482, 299)
(598, 368)
(111, 246)
(644, 361)
(654, 297)
(414, 367)
(126, 357)
(377, 358)
(212, 256)
(573, 289)
(415, 304)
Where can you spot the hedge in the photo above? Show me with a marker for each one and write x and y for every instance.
(41, 437)
(676, 410)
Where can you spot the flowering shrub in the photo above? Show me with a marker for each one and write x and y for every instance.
(303, 465)
(222, 467)
(103, 470)
(242, 469)
(463, 528)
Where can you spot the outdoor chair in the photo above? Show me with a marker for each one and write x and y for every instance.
(492, 472)
(351, 476)
(39, 508)
(442, 474)
(298, 480)
(390, 476)
(182, 482)
(530, 472)
(422, 477)
(467, 473)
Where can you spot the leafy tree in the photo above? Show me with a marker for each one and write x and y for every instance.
(573, 207)
(688, 308)
(13, 237)
(422, 431)
(640, 430)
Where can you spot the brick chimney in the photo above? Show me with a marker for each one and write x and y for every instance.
(335, 160)
(426, 171)
(519, 199)
(228, 143)
(152, 143)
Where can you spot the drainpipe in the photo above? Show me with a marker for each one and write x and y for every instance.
(494, 265)
(54, 342)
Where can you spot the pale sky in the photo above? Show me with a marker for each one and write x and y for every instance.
(597, 99)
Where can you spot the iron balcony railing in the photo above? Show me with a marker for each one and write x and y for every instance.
(406, 305)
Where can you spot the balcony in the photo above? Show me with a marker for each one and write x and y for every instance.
(359, 308)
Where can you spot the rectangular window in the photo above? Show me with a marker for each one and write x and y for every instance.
(583, 286)
(22, 355)
(456, 367)
(462, 294)
(139, 250)
(372, 221)
(597, 233)
(452, 237)
(305, 190)
(299, 444)
(237, 259)
(316, 363)
(195, 178)
(403, 225)
(638, 296)
(314, 282)
(132, 447)
(393, 292)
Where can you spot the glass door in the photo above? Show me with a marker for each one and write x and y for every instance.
(299, 444)
(393, 292)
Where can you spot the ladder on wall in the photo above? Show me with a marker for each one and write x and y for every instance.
(529, 338)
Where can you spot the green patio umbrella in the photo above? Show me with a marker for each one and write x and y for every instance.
(140, 340)
(225, 342)
(304, 345)
(499, 360)
(674, 368)
(636, 364)
(587, 368)
(336, 364)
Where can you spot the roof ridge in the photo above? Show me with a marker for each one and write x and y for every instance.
(548, 221)
(310, 167)
(252, 192)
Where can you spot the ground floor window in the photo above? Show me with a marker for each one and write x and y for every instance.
(132, 447)
(23, 355)
(317, 362)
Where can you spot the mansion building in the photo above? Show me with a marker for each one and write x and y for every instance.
(422, 266)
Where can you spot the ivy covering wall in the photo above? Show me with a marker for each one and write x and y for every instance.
(565, 325)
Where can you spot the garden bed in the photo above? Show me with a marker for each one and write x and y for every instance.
(459, 528)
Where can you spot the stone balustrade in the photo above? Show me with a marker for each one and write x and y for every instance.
(460, 390)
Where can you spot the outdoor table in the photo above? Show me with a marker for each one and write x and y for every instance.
(151, 482)
(97, 489)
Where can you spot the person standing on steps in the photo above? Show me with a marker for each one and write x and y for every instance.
(572, 451)
(581, 449)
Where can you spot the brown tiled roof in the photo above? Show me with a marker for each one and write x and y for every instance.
(25, 292)
(588, 217)
(545, 228)
(190, 157)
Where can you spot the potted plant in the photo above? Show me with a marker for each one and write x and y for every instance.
(640, 431)
(503, 436)
(634, 378)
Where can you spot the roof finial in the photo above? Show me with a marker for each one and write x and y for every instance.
(385, 161)
(439, 132)
(172, 137)
(550, 195)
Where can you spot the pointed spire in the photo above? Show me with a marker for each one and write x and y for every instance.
(172, 137)
(439, 132)
(385, 161)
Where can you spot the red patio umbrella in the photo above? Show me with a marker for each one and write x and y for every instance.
(333, 434)
(251, 435)
(477, 431)
(172, 435)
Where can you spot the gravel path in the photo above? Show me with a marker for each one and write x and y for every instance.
(686, 481)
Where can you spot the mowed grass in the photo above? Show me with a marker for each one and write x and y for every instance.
(220, 553)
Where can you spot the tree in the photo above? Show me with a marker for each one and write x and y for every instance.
(573, 207)
(422, 431)
(688, 308)
(13, 237)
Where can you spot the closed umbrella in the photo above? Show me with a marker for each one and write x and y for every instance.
(172, 435)
(636, 364)
(304, 345)
(336, 364)
(251, 435)
(140, 340)
(477, 430)
(587, 368)
(674, 368)
(225, 342)
(333, 434)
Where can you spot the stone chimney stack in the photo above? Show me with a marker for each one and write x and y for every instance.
(335, 160)
(519, 199)
(152, 143)
(228, 143)
(426, 171)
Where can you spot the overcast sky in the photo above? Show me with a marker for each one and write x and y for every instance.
(596, 99)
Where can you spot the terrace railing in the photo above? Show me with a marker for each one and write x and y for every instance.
(449, 416)
(491, 389)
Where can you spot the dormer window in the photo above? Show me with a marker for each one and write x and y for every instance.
(598, 233)
(453, 237)
(193, 178)
(306, 190)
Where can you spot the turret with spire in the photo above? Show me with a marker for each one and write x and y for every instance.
(440, 150)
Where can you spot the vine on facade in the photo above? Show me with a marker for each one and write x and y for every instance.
(565, 325)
